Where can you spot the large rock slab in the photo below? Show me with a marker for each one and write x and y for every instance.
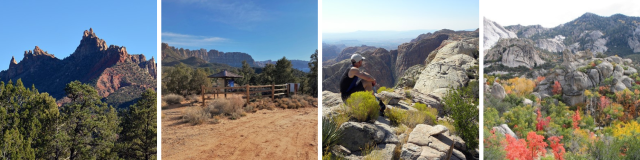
(498, 91)
(357, 135)
(394, 98)
(504, 130)
(606, 69)
(575, 84)
(438, 77)
(421, 133)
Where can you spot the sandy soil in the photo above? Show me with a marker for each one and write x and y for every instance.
(266, 134)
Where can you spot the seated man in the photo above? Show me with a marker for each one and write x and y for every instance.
(353, 80)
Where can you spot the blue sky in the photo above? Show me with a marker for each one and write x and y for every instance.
(263, 29)
(340, 16)
(57, 26)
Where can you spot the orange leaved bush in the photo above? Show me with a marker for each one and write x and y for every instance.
(557, 147)
(576, 119)
(516, 149)
(542, 122)
(557, 89)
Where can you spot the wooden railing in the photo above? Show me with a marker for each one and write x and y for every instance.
(283, 89)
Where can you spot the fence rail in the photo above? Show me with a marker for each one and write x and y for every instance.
(248, 90)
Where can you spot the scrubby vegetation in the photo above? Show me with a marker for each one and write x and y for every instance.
(604, 126)
(363, 106)
(34, 127)
(461, 104)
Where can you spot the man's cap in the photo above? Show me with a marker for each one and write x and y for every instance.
(356, 57)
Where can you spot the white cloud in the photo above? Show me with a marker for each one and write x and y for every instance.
(235, 12)
(190, 40)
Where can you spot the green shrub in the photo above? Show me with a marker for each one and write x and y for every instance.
(363, 106)
(420, 106)
(173, 99)
(407, 94)
(396, 115)
(451, 127)
(461, 102)
(331, 134)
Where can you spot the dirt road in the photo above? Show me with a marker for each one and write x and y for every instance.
(275, 134)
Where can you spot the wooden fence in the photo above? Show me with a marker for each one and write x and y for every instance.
(247, 90)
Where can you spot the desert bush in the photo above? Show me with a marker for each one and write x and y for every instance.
(396, 115)
(363, 106)
(416, 117)
(250, 108)
(385, 89)
(194, 98)
(407, 94)
(331, 134)
(451, 127)
(212, 109)
(194, 115)
(173, 98)
(401, 129)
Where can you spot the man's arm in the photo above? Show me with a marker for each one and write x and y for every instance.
(364, 76)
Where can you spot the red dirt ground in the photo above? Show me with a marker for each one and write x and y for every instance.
(266, 134)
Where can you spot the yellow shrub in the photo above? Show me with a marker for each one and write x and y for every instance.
(363, 106)
(626, 129)
(519, 86)
(396, 115)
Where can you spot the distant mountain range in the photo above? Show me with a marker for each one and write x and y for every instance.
(173, 55)
(120, 78)
(614, 35)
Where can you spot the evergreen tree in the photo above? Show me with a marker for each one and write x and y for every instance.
(90, 125)
(198, 79)
(247, 73)
(178, 79)
(284, 73)
(28, 121)
(267, 76)
(138, 136)
(312, 80)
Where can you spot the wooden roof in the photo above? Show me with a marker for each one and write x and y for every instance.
(224, 74)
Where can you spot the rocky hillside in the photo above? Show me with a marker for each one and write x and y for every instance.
(330, 51)
(494, 32)
(346, 54)
(388, 67)
(170, 54)
(297, 64)
(119, 77)
(614, 35)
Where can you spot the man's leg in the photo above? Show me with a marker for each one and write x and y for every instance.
(368, 85)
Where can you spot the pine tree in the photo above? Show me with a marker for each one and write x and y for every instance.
(90, 125)
(28, 120)
(247, 73)
(138, 136)
(284, 73)
(198, 79)
(267, 76)
(312, 80)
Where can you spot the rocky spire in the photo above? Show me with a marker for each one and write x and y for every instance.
(90, 43)
(13, 61)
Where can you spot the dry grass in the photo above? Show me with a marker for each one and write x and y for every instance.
(194, 98)
(194, 115)
(371, 153)
(414, 118)
(173, 98)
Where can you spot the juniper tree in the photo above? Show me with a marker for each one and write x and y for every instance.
(90, 125)
(138, 136)
(283, 72)
(312, 80)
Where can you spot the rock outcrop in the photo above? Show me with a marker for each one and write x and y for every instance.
(110, 69)
(515, 52)
(494, 32)
(432, 142)
(440, 76)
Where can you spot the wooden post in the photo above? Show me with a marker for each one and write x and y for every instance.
(287, 87)
(225, 88)
(248, 93)
(202, 95)
(273, 91)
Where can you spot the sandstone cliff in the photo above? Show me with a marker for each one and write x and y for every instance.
(92, 62)
(170, 53)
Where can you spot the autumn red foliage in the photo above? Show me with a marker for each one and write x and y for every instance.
(542, 122)
(557, 147)
(517, 149)
(539, 79)
(536, 144)
(576, 119)
(604, 102)
(557, 89)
